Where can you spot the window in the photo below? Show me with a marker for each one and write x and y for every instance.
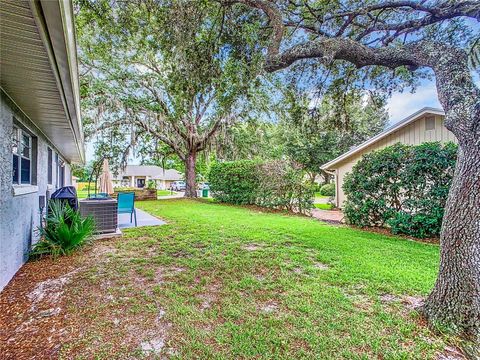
(60, 166)
(61, 172)
(50, 166)
(22, 156)
(430, 123)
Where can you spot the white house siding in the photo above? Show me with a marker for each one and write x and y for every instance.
(412, 134)
(19, 215)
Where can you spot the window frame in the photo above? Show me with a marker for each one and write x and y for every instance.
(60, 171)
(17, 136)
(49, 165)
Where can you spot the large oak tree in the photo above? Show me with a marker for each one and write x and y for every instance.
(406, 36)
(158, 73)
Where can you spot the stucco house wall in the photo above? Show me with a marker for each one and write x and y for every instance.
(40, 105)
(413, 133)
(19, 214)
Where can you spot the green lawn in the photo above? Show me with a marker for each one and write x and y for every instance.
(82, 194)
(224, 282)
(319, 196)
(165, 193)
(323, 206)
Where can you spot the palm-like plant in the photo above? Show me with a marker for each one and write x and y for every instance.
(64, 232)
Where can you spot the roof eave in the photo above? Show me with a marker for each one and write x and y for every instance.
(402, 123)
(55, 24)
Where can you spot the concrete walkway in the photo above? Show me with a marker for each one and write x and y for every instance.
(330, 216)
(143, 219)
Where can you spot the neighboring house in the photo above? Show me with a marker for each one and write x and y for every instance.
(425, 125)
(40, 125)
(138, 176)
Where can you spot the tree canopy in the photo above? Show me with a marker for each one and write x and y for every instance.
(158, 73)
(316, 131)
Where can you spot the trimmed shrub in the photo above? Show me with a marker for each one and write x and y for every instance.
(64, 232)
(275, 184)
(282, 186)
(327, 190)
(402, 187)
(234, 182)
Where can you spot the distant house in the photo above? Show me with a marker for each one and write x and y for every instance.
(425, 125)
(40, 125)
(139, 175)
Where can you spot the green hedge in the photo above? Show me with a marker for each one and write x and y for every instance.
(327, 190)
(403, 187)
(274, 184)
(234, 182)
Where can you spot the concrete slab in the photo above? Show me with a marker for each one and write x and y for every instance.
(143, 219)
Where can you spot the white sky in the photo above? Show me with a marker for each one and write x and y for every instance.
(400, 105)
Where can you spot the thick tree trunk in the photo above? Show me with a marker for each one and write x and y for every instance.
(190, 175)
(455, 299)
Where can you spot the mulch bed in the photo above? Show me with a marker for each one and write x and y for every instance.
(33, 321)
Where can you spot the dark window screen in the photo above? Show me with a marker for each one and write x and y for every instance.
(50, 166)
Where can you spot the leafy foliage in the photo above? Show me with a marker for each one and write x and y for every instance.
(165, 78)
(314, 134)
(404, 187)
(234, 182)
(327, 190)
(274, 184)
(64, 232)
(282, 186)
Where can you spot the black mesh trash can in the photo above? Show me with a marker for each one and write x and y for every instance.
(67, 194)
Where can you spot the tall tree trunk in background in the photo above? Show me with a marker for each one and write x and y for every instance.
(190, 174)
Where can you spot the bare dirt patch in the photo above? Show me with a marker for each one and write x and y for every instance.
(450, 353)
(252, 247)
(320, 266)
(33, 309)
(269, 307)
(410, 302)
(49, 292)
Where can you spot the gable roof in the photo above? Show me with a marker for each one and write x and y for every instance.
(397, 126)
(170, 174)
(156, 172)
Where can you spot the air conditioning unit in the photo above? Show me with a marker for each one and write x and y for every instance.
(103, 211)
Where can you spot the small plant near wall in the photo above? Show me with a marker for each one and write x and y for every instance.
(64, 232)
(151, 184)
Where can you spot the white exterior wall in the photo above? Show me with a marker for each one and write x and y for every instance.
(19, 214)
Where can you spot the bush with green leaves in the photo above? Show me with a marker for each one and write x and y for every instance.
(64, 232)
(403, 187)
(275, 184)
(234, 182)
(151, 185)
(282, 186)
(327, 190)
